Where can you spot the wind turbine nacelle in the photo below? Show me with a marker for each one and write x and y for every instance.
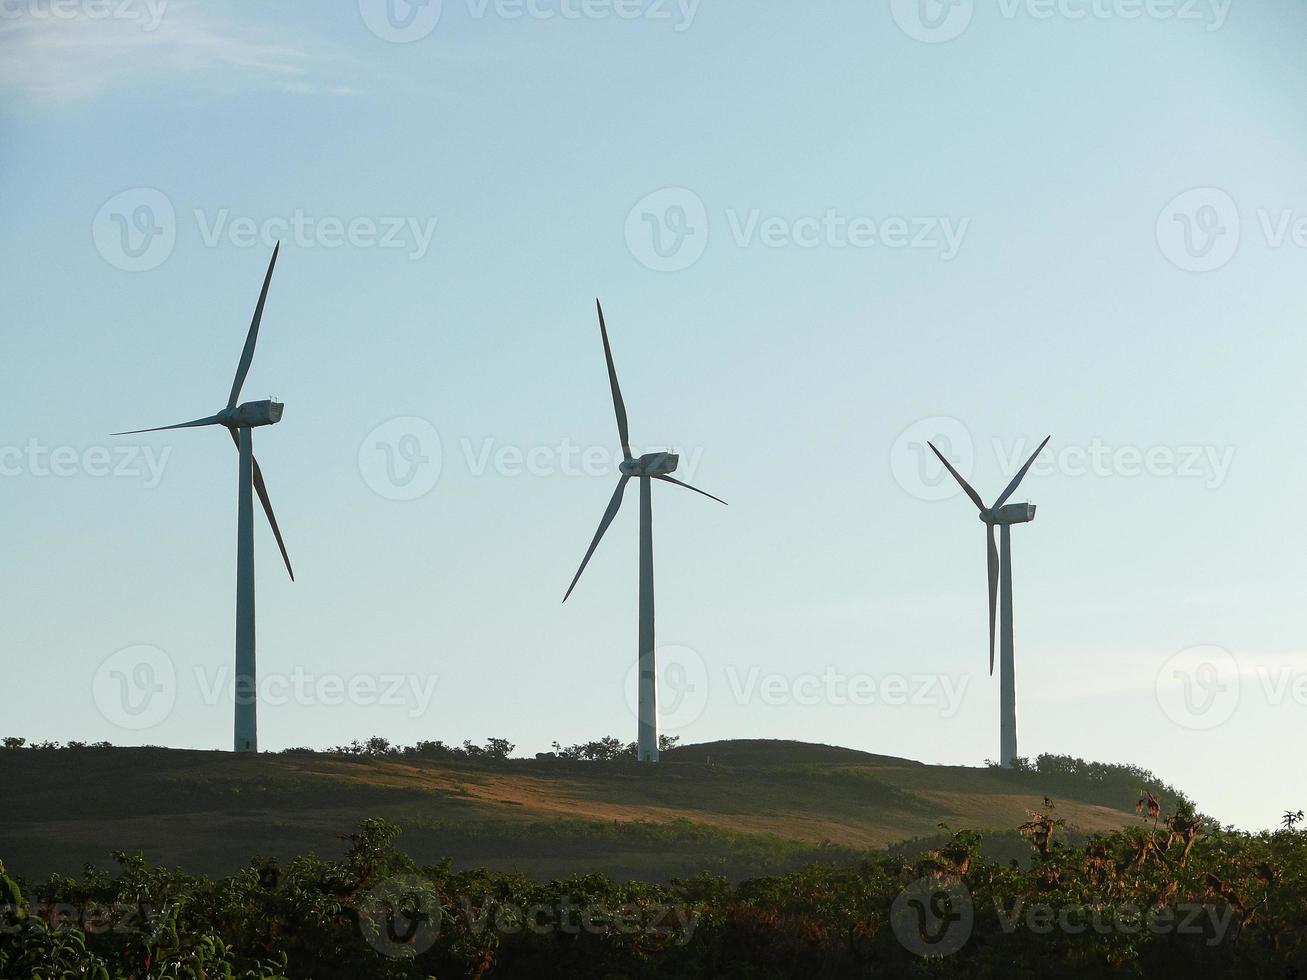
(254, 414)
(651, 464)
(1015, 514)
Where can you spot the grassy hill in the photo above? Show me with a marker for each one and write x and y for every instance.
(736, 808)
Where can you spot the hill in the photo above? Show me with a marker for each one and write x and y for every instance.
(736, 808)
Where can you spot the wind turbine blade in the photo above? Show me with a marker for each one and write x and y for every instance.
(1011, 487)
(609, 514)
(262, 490)
(211, 420)
(993, 593)
(668, 479)
(247, 355)
(618, 405)
(975, 497)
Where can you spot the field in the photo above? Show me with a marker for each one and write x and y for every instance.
(737, 809)
(735, 859)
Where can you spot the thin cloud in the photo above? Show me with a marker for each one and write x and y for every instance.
(53, 59)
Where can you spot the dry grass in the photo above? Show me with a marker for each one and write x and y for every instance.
(212, 812)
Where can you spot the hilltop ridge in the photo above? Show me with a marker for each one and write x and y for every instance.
(739, 807)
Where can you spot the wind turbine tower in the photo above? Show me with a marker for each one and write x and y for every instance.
(647, 468)
(1002, 515)
(241, 421)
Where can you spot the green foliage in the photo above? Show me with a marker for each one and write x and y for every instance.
(607, 749)
(1113, 905)
(377, 747)
(14, 742)
(1098, 782)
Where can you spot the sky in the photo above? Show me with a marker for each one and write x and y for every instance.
(823, 234)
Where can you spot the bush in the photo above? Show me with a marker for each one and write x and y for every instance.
(375, 914)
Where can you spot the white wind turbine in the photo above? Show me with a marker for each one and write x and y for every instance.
(240, 421)
(1003, 515)
(647, 468)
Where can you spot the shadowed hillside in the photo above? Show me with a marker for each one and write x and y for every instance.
(736, 808)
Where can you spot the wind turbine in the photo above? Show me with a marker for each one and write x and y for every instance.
(649, 467)
(1002, 515)
(240, 421)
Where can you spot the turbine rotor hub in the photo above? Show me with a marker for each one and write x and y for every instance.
(651, 464)
(252, 414)
(1009, 514)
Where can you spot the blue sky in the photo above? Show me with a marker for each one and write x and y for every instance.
(821, 237)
